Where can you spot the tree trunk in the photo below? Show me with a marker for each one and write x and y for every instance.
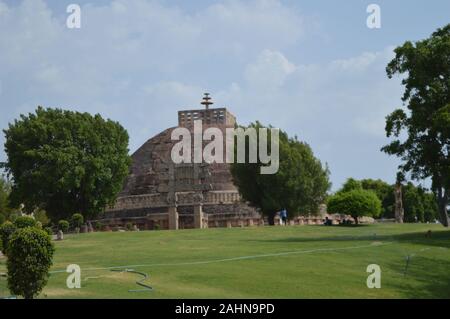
(356, 219)
(399, 212)
(442, 199)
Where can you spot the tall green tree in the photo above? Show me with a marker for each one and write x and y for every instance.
(300, 184)
(426, 149)
(356, 203)
(65, 162)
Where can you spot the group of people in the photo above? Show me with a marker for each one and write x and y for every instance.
(284, 215)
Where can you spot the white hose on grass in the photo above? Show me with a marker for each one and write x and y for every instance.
(203, 262)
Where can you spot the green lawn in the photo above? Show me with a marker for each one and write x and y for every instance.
(259, 262)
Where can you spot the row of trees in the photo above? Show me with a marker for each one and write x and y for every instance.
(300, 185)
(419, 204)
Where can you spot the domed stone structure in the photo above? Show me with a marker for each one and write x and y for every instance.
(161, 194)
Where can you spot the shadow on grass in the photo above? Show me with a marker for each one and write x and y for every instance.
(425, 278)
(438, 238)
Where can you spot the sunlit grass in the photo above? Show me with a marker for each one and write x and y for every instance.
(259, 262)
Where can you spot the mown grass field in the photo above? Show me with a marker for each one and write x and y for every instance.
(259, 262)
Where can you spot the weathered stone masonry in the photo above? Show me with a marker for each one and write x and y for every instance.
(161, 194)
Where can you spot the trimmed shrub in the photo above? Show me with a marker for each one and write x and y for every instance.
(24, 221)
(63, 225)
(7, 229)
(30, 254)
(77, 220)
(129, 226)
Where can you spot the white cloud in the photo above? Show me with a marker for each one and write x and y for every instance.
(249, 26)
(269, 70)
(338, 107)
(139, 61)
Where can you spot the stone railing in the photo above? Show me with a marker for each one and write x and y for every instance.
(222, 197)
(183, 198)
(138, 201)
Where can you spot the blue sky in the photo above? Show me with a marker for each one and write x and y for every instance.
(312, 68)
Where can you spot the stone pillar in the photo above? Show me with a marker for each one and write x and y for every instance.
(198, 216)
(399, 211)
(173, 217)
(229, 224)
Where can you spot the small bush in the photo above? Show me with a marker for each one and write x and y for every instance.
(30, 254)
(63, 225)
(129, 226)
(24, 221)
(156, 227)
(77, 220)
(7, 229)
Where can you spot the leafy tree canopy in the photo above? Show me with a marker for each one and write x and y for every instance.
(426, 148)
(356, 203)
(66, 162)
(24, 221)
(300, 184)
(7, 229)
(417, 201)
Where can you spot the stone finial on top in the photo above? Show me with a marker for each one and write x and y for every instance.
(206, 101)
